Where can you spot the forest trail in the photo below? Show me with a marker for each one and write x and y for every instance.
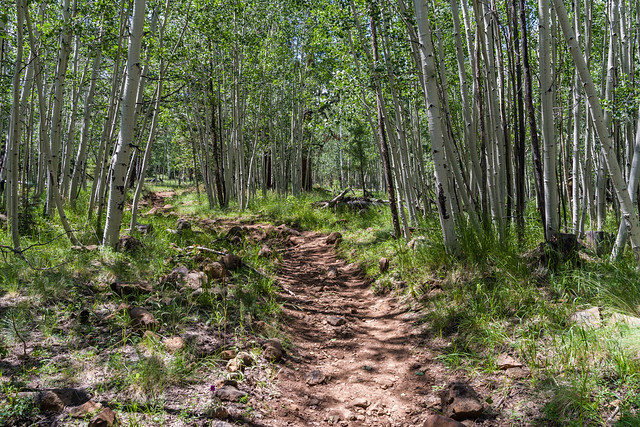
(356, 360)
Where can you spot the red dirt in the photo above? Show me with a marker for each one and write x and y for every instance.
(374, 356)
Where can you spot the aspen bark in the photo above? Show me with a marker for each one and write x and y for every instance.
(432, 100)
(122, 155)
(626, 205)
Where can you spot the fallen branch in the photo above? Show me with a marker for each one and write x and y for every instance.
(331, 203)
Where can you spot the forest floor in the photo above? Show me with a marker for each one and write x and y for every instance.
(355, 352)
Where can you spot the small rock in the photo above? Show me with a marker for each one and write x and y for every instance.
(315, 377)
(177, 276)
(144, 228)
(221, 413)
(332, 272)
(228, 354)
(141, 317)
(273, 351)
(383, 264)
(361, 402)
(131, 288)
(235, 231)
(505, 362)
(623, 319)
(589, 318)
(56, 399)
(518, 373)
(85, 409)
(49, 402)
(231, 262)
(440, 421)
(460, 401)
(336, 320)
(230, 393)
(265, 251)
(173, 344)
(167, 207)
(106, 418)
(219, 423)
(234, 365)
(129, 244)
(214, 270)
(183, 225)
(333, 238)
(260, 326)
(195, 279)
(245, 358)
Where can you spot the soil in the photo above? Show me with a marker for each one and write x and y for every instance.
(360, 347)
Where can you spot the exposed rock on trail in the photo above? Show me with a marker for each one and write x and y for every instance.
(353, 351)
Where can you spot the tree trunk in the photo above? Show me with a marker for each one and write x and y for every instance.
(122, 155)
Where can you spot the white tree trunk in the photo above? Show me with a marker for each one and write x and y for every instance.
(436, 128)
(626, 205)
(122, 155)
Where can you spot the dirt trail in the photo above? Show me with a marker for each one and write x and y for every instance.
(371, 364)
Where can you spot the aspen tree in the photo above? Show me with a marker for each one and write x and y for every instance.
(122, 155)
(432, 100)
(629, 214)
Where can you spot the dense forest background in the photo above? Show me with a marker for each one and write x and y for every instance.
(472, 110)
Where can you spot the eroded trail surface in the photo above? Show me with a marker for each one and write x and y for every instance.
(355, 359)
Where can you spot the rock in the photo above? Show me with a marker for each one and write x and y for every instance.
(332, 272)
(315, 377)
(336, 320)
(361, 402)
(221, 413)
(183, 225)
(131, 288)
(245, 358)
(265, 251)
(49, 401)
(518, 373)
(440, 421)
(219, 423)
(141, 318)
(273, 351)
(589, 318)
(230, 393)
(177, 276)
(129, 244)
(144, 228)
(55, 400)
(333, 238)
(167, 207)
(106, 418)
(231, 262)
(460, 401)
(234, 365)
(505, 362)
(173, 344)
(623, 319)
(235, 231)
(85, 409)
(383, 264)
(260, 326)
(228, 354)
(195, 279)
(214, 270)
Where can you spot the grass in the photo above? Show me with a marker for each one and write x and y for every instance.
(473, 308)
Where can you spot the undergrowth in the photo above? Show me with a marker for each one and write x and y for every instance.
(490, 300)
